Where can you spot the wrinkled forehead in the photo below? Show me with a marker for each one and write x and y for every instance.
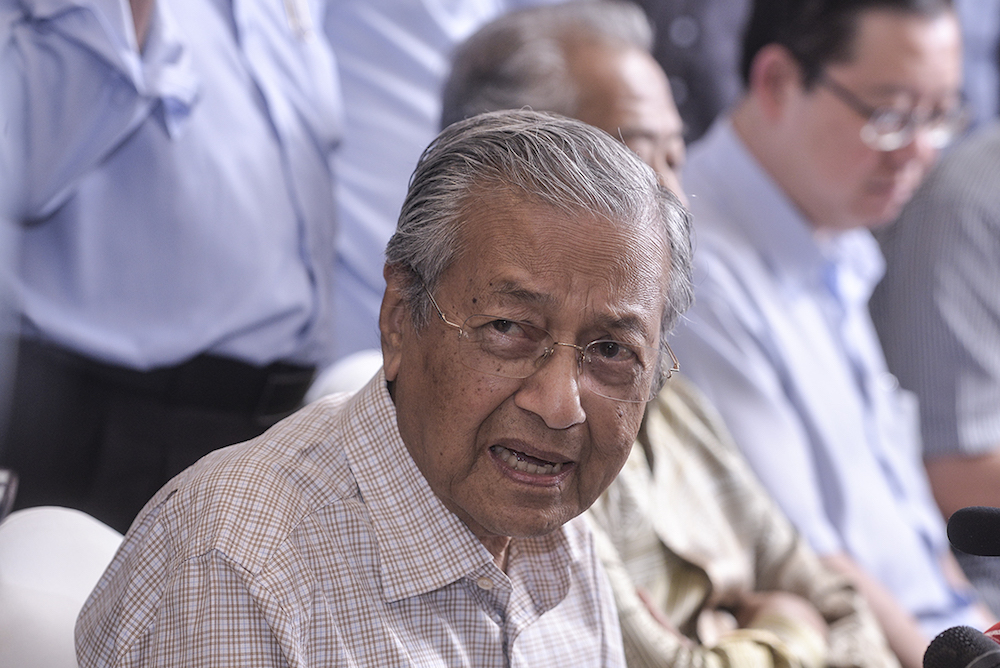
(490, 214)
(563, 247)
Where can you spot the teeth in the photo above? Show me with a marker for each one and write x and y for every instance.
(516, 463)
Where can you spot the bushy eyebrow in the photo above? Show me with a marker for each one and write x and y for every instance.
(630, 323)
(518, 293)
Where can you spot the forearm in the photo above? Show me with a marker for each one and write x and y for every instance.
(651, 639)
(959, 481)
(75, 84)
(901, 629)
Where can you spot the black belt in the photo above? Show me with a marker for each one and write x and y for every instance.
(205, 381)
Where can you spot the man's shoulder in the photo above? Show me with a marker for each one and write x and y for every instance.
(245, 500)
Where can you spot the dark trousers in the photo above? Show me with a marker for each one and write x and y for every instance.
(104, 439)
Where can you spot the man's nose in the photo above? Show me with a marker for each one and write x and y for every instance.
(553, 391)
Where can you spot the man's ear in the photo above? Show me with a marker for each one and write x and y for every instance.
(775, 76)
(394, 317)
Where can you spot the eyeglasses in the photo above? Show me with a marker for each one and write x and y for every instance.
(889, 129)
(514, 349)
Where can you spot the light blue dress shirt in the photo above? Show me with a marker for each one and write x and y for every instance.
(393, 57)
(179, 201)
(780, 340)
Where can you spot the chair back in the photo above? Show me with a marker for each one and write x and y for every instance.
(50, 560)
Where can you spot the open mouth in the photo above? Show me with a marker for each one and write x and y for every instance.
(526, 463)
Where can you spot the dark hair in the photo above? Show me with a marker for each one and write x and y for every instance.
(818, 32)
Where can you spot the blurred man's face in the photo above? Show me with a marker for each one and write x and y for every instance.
(906, 62)
(625, 93)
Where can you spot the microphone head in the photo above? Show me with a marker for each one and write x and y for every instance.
(961, 647)
(976, 530)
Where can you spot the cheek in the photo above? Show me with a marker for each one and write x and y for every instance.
(448, 401)
(613, 434)
(832, 142)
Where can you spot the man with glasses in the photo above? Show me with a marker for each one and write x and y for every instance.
(846, 108)
(429, 518)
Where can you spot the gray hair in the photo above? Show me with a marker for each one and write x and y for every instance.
(543, 158)
(520, 59)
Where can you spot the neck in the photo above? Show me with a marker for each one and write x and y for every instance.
(764, 142)
(752, 128)
(499, 548)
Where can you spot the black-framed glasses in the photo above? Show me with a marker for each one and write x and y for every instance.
(514, 349)
(889, 129)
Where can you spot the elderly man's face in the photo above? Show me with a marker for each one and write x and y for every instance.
(900, 61)
(580, 278)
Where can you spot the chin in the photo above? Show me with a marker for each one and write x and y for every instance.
(538, 524)
(882, 212)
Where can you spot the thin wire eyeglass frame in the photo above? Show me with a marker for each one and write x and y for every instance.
(942, 127)
(547, 351)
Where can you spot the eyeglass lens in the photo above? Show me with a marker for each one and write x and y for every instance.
(513, 349)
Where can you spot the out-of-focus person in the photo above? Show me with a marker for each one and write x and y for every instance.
(562, 60)
(847, 106)
(937, 312)
(176, 202)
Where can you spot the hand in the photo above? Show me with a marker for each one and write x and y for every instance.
(659, 617)
(756, 605)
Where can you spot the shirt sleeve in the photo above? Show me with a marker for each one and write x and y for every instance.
(786, 562)
(728, 353)
(938, 308)
(76, 86)
(783, 561)
(649, 643)
(203, 611)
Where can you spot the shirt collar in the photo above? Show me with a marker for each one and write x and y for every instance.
(771, 223)
(422, 545)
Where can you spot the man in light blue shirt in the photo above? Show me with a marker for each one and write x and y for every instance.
(393, 57)
(178, 234)
(846, 108)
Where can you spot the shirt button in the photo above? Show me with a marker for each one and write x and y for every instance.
(888, 382)
(484, 583)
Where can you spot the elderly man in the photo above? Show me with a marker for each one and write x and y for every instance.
(590, 61)
(428, 519)
(704, 568)
(847, 105)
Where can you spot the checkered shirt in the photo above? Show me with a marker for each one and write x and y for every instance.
(321, 544)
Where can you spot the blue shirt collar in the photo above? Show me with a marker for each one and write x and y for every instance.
(794, 250)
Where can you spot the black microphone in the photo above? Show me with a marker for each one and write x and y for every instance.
(962, 647)
(976, 530)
